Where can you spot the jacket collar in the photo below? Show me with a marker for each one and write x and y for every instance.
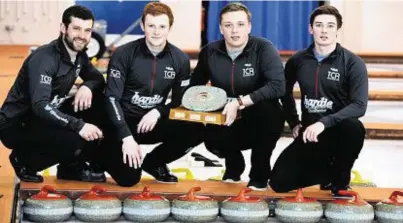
(61, 48)
(333, 54)
(247, 49)
(147, 51)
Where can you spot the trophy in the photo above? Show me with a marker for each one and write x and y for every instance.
(202, 104)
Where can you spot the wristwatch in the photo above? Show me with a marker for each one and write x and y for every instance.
(241, 106)
(239, 101)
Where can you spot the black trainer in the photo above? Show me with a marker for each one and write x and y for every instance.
(161, 174)
(22, 172)
(326, 186)
(258, 185)
(79, 172)
(335, 192)
(231, 178)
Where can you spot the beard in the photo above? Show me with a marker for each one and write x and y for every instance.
(70, 43)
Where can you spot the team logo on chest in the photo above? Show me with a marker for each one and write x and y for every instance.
(333, 74)
(248, 71)
(169, 73)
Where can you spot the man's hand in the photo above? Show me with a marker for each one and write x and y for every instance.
(90, 132)
(148, 121)
(311, 133)
(82, 99)
(131, 152)
(295, 130)
(230, 110)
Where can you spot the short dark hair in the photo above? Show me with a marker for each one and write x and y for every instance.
(157, 8)
(234, 7)
(77, 11)
(327, 10)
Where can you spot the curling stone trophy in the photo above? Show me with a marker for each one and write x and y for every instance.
(202, 104)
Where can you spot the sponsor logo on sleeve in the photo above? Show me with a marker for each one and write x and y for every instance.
(57, 102)
(114, 73)
(185, 83)
(45, 79)
(112, 100)
(53, 113)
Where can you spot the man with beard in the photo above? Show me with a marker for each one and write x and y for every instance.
(40, 121)
(334, 94)
(141, 74)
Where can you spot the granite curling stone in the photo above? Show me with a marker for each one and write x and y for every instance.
(348, 211)
(390, 210)
(146, 207)
(204, 98)
(193, 208)
(47, 206)
(244, 208)
(97, 207)
(298, 209)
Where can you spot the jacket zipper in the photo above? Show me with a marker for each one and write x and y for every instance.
(317, 79)
(154, 74)
(232, 78)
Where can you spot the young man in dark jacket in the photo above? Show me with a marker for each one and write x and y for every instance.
(37, 120)
(140, 76)
(334, 94)
(250, 70)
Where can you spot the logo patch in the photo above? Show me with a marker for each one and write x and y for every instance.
(114, 73)
(145, 101)
(78, 71)
(57, 102)
(169, 73)
(46, 79)
(317, 106)
(333, 74)
(248, 72)
(185, 83)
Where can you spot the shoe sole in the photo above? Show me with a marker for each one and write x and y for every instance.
(229, 181)
(164, 182)
(342, 197)
(257, 189)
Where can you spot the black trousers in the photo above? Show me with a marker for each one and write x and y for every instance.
(330, 160)
(176, 137)
(259, 129)
(39, 145)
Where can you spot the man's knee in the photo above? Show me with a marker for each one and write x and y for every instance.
(280, 184)
(352, 127)
(129, 180)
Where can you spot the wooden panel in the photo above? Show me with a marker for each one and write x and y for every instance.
(385, 74)
(7, 198)
(211, 188)
(12, 57)
(6, 186)
(6, 170)
(373, 95)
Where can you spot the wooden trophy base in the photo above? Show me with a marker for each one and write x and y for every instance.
(184, 114)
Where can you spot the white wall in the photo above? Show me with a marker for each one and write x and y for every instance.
(33, 22)
(371, 26)
(186, 29)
